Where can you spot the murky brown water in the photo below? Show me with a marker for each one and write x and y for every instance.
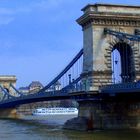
(50, 128)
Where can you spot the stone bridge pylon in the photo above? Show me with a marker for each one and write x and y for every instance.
(98, 61)
(6, 80)
(111, 55)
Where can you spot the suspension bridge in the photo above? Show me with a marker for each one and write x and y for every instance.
(98, 79)
(71, 84)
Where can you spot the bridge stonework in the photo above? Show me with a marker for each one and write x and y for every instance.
(97, 68)
(113, 112)
(6, 80)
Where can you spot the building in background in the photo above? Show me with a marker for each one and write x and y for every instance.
(34, 87)
(24, 90)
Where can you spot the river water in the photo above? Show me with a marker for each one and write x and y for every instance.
(51, 128)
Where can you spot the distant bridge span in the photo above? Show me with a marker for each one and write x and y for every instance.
(14, 102)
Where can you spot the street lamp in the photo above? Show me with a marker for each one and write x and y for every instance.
(69, 78)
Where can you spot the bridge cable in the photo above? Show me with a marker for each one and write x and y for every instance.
(19, 93)
(113, 53)
(119, 51)
(63, 72)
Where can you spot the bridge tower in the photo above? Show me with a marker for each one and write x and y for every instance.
(99, 65)
(6, 80)
(111, 55)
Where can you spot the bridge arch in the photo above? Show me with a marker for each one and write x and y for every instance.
(122, 61)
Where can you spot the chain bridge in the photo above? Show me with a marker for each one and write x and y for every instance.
(104, 77)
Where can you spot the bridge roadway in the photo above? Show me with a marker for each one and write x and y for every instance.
(37, 97)
(119, 92)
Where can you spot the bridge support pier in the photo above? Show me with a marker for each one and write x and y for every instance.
(106, 115)
(8, 113)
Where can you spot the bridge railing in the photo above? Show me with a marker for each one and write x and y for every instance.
(121, 88)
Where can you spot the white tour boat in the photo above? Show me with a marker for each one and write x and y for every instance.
(55, 111)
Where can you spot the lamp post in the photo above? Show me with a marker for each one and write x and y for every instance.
(69, 78)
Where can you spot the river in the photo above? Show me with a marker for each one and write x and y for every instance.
(51, 128)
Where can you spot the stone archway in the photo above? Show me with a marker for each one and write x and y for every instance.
(129, 53)
(124, 59)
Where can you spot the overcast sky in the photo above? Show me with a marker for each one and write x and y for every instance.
(38, 38)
